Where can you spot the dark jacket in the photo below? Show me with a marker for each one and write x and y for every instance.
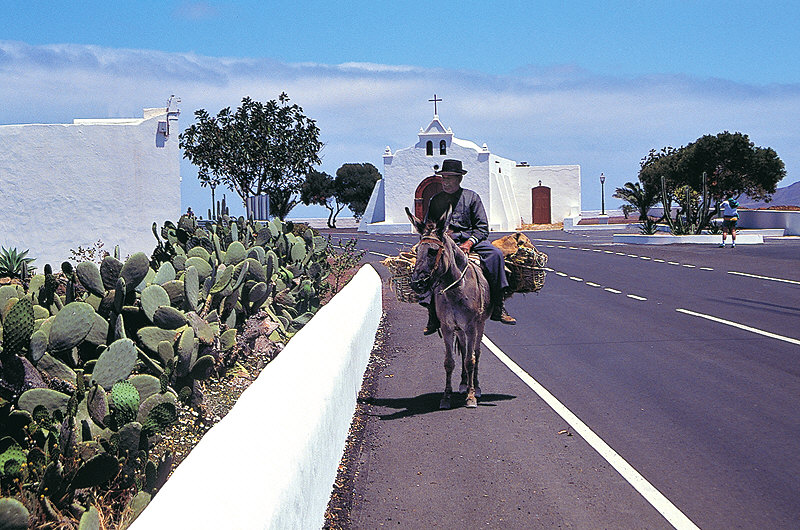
(468, 220)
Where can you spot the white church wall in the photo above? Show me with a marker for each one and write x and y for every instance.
(408, 167)
(68, 185)
(565, 189)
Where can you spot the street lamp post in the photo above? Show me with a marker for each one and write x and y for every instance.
(602, 194)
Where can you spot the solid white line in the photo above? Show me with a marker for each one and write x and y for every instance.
(610, 290)
(636, 297)
(764, 277)
(740, 326)
(656, 499)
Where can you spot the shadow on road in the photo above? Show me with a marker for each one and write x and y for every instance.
(426, 403)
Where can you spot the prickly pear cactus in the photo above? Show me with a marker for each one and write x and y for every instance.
(17, 328)
(125, 402)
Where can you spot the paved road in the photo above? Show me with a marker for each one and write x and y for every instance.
(683, 359)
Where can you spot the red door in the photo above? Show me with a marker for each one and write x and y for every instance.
(540, 201)
(422, 197)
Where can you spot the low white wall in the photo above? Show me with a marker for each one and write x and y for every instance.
(271, 462)
(698, 239)
(788, 220)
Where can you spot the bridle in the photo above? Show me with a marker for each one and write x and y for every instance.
(440, 244)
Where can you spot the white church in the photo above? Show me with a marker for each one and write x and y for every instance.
(513, 192)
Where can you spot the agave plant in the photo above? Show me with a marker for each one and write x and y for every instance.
(13, 262)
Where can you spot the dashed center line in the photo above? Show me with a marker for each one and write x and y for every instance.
(658, 260)
(592, 284)
(610, 290)
(688, 266)
(576, 278)
(706, 269)
(643, 257)
(636, 297)
(673, 263)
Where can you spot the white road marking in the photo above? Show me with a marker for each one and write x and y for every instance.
(379, 254)
(561, 273)
(620, 253)
(632, 256)
(576, 278)
(596, 250)
(688, 266)
(636, 297)
(610, 290)
(740, 326)
(706, 269)
(561, 246)
(673, 263)
(643, 257)
(592, 284)
(658, 260)
(656, 499)
(764, 277)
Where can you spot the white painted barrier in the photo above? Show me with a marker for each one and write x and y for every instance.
(271, 462)
(698, 239)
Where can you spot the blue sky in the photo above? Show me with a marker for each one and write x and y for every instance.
(591, 83)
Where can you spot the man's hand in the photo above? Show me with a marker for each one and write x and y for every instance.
(466, 246)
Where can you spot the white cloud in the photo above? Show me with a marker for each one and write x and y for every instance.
(545, 115)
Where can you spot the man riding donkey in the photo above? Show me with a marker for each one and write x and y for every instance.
(469, 228)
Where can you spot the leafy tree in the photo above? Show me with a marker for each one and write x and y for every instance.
(320, 188)
(639, 198)
(354, 185)
(261, 148)
(729, 163)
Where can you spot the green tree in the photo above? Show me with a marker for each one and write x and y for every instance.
(639, 198)
(261, 148)
(320, 188)
(354, 185)
(730, 164)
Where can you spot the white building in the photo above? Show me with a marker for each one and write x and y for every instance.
(68, 185)
(512, 192)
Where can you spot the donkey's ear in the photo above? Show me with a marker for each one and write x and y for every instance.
(443, 222)
(418, 225)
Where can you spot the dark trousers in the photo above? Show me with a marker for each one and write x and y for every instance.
(493, 265)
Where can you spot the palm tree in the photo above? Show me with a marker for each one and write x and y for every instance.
(637, 197)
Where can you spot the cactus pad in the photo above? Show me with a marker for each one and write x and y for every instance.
(115, 364)
(18, 327)
(13, 514)
(71, 325)
(167, 317)
(125, 400)
(90, 277)
(49, 399)
(135, 270)
(153, 297)
(150, 336)
(166, 273)
(96, 471)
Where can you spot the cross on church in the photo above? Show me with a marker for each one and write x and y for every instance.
(435, 108)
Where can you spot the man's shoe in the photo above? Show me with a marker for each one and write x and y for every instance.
(500, 315)
(430, 329)
(433, 323)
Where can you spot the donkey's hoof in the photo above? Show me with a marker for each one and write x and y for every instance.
(462, 388)
(444, 404)
(472, 402)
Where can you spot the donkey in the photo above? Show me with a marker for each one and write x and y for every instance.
(461, 294)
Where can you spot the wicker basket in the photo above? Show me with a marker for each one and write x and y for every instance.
(401, 268)
(527, 266)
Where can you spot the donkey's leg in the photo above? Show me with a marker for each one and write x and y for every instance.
(449, 364)
(475, 369)
(469, 355)
(464, 385)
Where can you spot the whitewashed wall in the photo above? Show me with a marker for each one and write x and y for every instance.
(565, 189)
(65, 185)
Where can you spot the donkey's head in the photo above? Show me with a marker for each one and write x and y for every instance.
(432, 250)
